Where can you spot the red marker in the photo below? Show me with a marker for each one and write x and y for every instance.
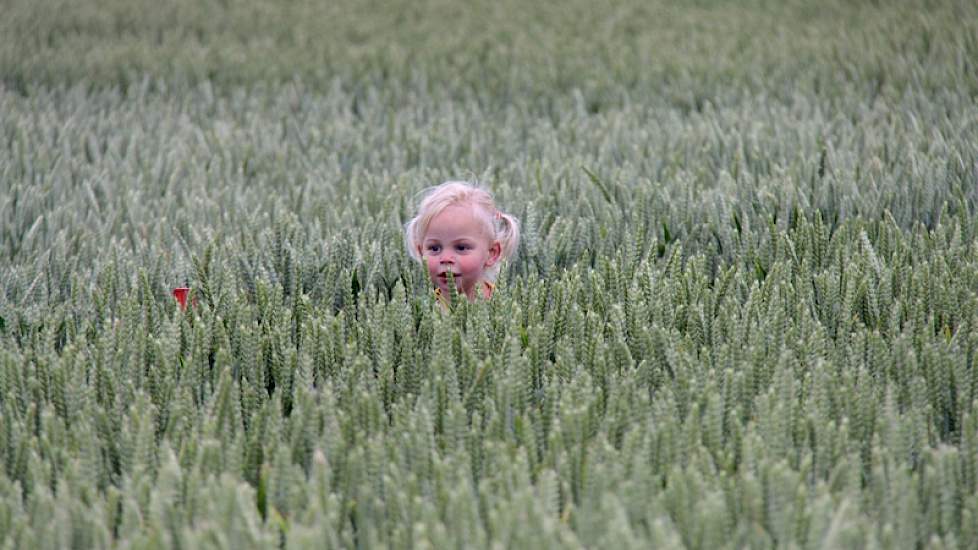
(180, 293)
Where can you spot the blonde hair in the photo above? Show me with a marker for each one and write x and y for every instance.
(500, 226)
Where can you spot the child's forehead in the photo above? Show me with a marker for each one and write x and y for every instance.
(458, 219)
(461, 211)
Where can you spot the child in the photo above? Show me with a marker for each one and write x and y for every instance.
(459, 231)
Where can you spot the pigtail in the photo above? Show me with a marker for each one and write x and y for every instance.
(508, 235)
(411, 238)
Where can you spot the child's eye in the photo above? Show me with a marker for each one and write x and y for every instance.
(433, 248)
(462, 247)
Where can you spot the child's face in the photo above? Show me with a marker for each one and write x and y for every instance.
(456, 242)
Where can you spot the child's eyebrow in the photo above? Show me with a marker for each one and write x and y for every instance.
(460, 239)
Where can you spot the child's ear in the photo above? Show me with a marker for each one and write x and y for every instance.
(495, 251)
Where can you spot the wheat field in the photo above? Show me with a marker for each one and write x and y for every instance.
(744, 312)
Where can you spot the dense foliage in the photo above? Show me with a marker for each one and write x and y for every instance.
(744, 311)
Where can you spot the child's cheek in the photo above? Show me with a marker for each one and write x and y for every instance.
(432, 265)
